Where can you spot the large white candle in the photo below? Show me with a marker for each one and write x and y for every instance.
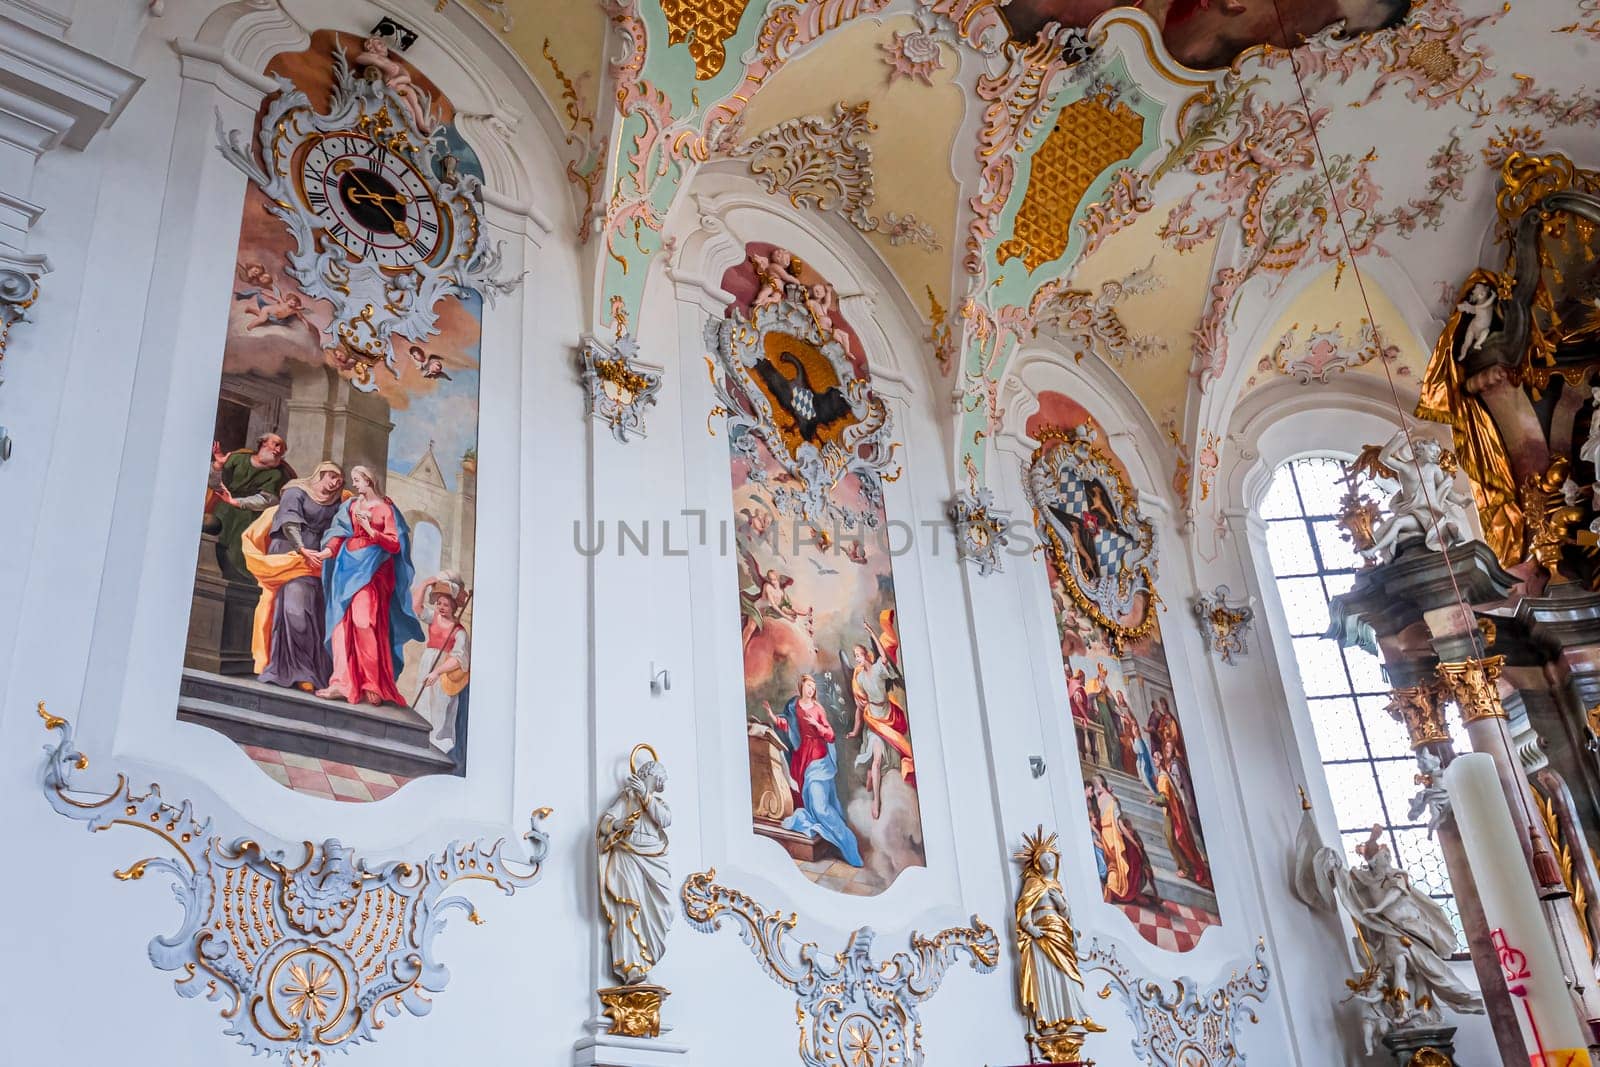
(1550, 1023)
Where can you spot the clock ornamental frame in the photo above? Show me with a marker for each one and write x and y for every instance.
(386, 223)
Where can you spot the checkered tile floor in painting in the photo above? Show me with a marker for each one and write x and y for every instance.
(324, 778)
(841, 877)
(1174, 927)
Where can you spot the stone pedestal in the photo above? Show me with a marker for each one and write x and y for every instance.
(600, 1048)
(1423, 1046)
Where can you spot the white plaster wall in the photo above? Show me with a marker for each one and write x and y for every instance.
(111, 394)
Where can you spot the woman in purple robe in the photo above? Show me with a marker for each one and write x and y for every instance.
(299, 656)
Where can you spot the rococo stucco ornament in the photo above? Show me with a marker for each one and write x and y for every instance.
(385, 222)
(980, 531)
(784, 383)
(1097, 540)
(826, 164)
(1186, 1027)
(18, 291)
(852, 1012)
(616, 387)
(308, 953)
(1406, 938)
(1224, 626)
(636, 893)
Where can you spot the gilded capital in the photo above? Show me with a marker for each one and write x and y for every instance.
(1472, 683)
(1421, 709)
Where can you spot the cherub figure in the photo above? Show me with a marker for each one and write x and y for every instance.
(1427, 506)
(777, 273)
(374, 55)
(429, 364)
(1479, 304)
(272, 306)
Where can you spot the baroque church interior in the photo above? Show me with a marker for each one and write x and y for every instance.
(849, 533)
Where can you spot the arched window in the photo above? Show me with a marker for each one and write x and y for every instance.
(1366, 754)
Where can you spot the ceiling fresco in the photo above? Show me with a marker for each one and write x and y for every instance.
(1145, 187)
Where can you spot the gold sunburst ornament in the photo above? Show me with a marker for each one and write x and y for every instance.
(308, 991)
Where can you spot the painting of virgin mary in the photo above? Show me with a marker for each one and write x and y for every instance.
(365, 582)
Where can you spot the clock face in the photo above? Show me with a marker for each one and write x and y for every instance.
(370, 201)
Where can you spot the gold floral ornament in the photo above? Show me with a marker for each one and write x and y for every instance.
(1420, 708)
(307, 956)
(1090, 136)
(1472, 684)
(851, 1010)
(706, 25)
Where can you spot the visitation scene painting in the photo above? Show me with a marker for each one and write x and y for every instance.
(1139, 794)
(1210, 34)
(832, 773)
(331, 622)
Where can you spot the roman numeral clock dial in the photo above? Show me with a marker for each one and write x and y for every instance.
(370, 201)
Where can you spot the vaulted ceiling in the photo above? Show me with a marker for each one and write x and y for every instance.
(1143, 186)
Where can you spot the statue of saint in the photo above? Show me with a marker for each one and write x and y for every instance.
(1427, 504)
(635, 890)
(1406, 938)
(1048, 981)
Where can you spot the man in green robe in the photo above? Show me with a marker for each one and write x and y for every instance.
(245, 484)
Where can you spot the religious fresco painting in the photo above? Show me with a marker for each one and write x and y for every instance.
(330, 628)
(1139, 793)
(832, 772)
(1211, 34)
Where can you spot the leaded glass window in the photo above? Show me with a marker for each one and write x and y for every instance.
(1366, 754)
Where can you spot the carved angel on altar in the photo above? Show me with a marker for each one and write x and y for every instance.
(1427, 505)
(1479, 306)
(1049, 983)
(1406, 937)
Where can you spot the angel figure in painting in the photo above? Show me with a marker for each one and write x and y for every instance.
(1479, 305)
(874, 675)
(1427, 505)
(376, 58)
(635, 880)
(778, 275)
(1049, 983)
(1406, 936)
(764, 597)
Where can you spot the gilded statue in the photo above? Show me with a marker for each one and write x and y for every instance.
(1478, 445)
(1049, 983)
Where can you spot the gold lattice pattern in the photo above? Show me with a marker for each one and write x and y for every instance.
(1090, 136)
(706, 25)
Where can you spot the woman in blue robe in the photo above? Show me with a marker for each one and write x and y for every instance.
(813, 765)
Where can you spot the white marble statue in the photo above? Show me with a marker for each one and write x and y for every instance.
(1479, 305)
(635, 881)
(1589, 451)
(1406, 938)
(1427, 504)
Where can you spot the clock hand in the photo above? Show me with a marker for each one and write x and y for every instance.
(362, 196)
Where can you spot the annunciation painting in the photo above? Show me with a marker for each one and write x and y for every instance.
(833, 774)
(330, 628)
(1211, 34)
(1139, 794)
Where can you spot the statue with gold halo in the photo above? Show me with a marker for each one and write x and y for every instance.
(636, 893)
(1048, 981)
